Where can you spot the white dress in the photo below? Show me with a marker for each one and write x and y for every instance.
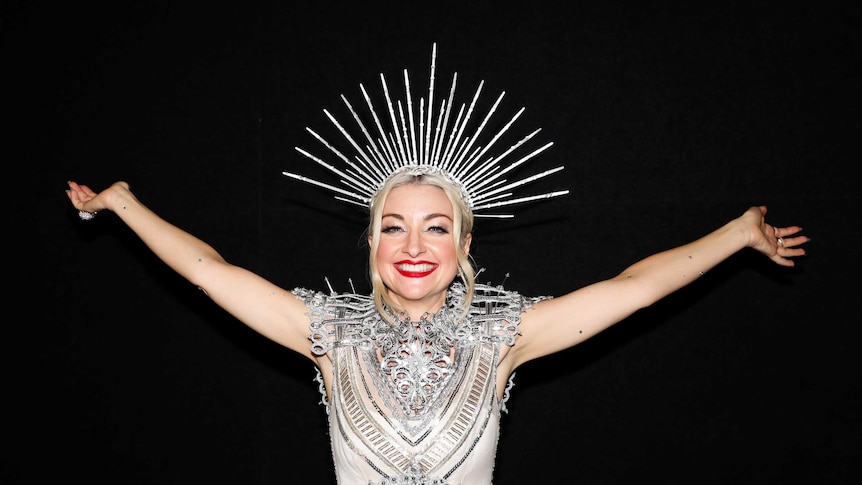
(414, 402)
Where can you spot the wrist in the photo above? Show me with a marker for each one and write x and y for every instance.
(119, 197)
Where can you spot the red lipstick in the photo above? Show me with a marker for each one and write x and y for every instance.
(415, 269)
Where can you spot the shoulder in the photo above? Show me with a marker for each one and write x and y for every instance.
(338, 319)
(498, 300)
(319, 300)
(494, 312)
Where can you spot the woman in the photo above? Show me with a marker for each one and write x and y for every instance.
(415, 375)
(428, 354)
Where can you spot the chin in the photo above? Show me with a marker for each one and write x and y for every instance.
(415, 291)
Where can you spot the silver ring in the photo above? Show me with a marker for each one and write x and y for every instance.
(781, 242)
(86, 216)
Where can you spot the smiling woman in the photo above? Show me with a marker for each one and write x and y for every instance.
(429, 345)
(415, 376)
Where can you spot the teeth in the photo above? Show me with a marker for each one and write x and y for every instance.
(415, 268)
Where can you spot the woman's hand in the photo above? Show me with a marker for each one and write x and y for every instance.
(777, 243)
(89, 202)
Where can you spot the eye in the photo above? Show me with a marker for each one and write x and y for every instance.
(391, 229)
(438, 229)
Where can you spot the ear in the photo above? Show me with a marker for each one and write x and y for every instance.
(467, 241)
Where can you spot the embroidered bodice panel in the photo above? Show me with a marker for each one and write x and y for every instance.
(414, 402)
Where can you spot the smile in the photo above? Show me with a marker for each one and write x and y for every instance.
(415, 269)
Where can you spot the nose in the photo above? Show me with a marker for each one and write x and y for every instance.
(415, 244)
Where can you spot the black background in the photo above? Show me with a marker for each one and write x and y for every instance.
(670, 119)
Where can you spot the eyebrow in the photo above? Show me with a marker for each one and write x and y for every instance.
(427, 217)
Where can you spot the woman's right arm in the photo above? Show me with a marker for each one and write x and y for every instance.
(268, 309)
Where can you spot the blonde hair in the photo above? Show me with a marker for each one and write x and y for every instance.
(462, 223)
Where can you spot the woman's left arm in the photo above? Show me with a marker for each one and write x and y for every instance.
(562, 322)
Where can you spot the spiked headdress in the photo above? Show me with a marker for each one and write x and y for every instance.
(425, 142)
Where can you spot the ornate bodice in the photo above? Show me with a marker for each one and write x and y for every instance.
(414, 402)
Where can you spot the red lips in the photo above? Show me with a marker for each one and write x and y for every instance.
(415, 269)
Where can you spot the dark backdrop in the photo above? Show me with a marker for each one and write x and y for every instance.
(670, 120)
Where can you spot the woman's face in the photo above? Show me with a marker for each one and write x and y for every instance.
(416, 257)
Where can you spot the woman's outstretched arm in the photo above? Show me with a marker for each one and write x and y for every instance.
(556, 324)
(263, 306)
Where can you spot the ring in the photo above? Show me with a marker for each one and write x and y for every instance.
(86, 216)
(781, 242)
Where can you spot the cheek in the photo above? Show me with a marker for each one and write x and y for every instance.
(445, 250)
(384, 250)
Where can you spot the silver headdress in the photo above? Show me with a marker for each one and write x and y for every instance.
(421, 144)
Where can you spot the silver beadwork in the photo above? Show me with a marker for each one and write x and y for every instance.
(420, 144)
(86, 216)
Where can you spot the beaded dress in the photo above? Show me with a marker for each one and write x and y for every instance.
(414, 402)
